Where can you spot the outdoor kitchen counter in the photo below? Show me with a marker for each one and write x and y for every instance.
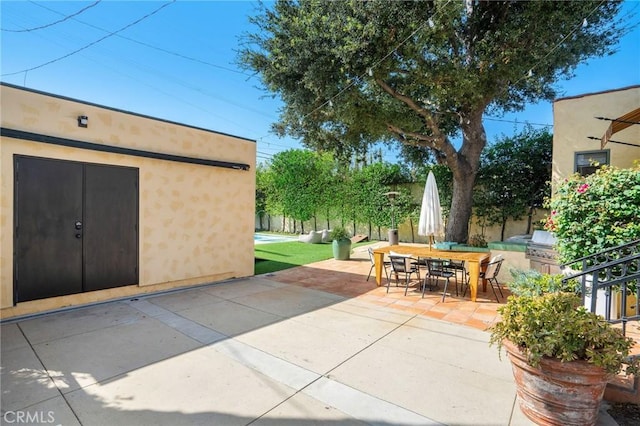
(474, 260)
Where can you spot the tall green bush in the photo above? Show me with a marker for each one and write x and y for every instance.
(514, 178)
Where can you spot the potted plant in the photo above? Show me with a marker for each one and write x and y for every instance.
(341, 243)
(562, 356)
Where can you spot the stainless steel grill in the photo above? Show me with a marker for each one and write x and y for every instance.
(541, 254)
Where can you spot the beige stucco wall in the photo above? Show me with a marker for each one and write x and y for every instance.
(574, 121)
(195, 221)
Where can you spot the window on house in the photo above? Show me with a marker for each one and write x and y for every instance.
(587, 162)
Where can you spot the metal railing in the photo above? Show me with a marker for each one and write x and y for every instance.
(614, 272)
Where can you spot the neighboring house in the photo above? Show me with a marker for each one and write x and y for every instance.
(98, 203)
(578, 132)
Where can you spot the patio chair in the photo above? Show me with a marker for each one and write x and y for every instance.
(437, 268)
(491, 275)
(458, 267)
(406, 265)
(385, 264)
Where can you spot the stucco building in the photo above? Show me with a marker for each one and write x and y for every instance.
(580, 122)
(99, 203)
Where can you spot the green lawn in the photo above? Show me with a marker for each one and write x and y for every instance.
(278, 256)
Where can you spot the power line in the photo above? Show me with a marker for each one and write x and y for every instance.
(94, 42)
(582, 24)
(173, 79)
(160, 49)
(52, 23)
(214, 65)
(517, 122)
(108, 66)
(430, 23)
(375, 64)
(180, 82)
(269, 143)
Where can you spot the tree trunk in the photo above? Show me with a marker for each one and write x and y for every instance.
(464, 165)
(461, 206)
(529, 219)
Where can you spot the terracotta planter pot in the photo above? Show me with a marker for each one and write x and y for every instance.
(557, 393)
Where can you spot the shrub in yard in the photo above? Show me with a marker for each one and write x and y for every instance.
(590, 214)
(534, 283)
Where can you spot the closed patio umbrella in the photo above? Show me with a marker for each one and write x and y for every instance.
(430, 223)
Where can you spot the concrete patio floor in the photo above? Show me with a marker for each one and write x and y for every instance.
(307, 346)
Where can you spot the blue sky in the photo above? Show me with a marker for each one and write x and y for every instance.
(177, 63)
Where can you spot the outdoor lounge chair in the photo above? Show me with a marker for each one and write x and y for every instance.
(313, 237)
(326, 235)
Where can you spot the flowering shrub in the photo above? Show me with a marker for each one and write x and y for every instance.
(593, 213)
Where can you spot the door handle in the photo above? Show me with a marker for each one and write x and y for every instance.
(78, 225)
(78, 235)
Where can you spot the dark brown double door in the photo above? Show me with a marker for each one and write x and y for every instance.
(76, 227)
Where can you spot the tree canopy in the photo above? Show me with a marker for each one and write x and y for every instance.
(421, 73)
(514, 177)
(300, 182)
(301, 185)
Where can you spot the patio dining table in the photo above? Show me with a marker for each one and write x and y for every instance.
(475, 260)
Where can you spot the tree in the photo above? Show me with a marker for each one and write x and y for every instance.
(328, 186)
(424, 73)
(367, 188)
(299, 179)
(262, 190)
(514, 177)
